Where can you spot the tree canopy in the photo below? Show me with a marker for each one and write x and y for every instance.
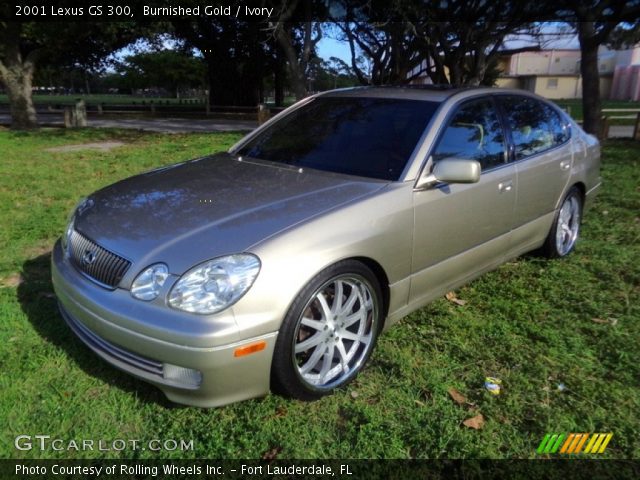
(390, 42)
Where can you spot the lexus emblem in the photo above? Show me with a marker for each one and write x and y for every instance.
(88, 257)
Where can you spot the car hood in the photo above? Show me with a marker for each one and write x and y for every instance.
(187, 213)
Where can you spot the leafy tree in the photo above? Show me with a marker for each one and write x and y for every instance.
(172, 70)
(236, 54)
(297, 41)
(391, 48)
(330, 74)
(594, 21)
(24, 46)
(451, 41)
(624, 36)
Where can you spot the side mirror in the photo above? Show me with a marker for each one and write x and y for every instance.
(451, 170)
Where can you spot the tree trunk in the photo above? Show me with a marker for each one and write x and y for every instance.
(17, 80)
(591, 104)
(17, 75)
(296, 67)
(278, 84)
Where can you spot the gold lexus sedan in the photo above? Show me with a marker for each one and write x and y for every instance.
(275, 265)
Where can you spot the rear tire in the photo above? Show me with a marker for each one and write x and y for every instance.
(329, 332)
(566, 226)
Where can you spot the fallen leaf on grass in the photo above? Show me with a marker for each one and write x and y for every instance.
(451, 296)
(271, 454)
(457, 396)
(476, 422)
(608, 321)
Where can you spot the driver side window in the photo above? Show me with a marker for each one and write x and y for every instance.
(474, 133)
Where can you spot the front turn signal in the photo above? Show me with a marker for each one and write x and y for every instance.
(249, 349)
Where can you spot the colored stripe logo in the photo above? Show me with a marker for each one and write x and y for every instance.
(574, 443)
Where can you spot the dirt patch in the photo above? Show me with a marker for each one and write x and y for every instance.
(12, 280)
(43, 248)
(101, 146)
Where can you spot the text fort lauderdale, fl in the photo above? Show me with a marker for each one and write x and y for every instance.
(170, 469)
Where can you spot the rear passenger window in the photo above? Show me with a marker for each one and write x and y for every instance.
(473, 133)
(535, 127)
(557, 125)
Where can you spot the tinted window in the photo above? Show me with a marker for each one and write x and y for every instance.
(473, 133)
(535, 127)
(557, 125)
(371, 137)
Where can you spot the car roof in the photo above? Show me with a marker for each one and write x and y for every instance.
(433, 93)
(427, 93)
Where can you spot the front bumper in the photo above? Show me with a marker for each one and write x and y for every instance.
(211, 375)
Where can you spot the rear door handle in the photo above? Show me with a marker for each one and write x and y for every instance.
(565, 165)
(505, 186)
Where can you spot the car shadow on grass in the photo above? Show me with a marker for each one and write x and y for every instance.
(38, 302)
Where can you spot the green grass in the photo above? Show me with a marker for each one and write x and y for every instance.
(575, 106)
(530, 323)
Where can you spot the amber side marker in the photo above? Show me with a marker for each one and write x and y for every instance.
(249, 349)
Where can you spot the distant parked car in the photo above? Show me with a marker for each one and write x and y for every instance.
(277, 264)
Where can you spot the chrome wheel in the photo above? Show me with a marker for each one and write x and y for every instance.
(568, 225)
(335, 332)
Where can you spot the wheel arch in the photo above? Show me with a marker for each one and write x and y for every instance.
(383, 280)
(579, 184)
(582, 187)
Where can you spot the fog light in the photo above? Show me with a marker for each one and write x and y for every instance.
(184, 376)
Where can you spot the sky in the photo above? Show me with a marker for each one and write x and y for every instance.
(329, 47)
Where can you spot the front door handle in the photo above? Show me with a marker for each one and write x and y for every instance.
(505, 186)
(565, 165)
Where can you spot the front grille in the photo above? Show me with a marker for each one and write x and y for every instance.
(99, 264)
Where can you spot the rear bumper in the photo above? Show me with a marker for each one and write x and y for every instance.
(591, 194)
(188, 374)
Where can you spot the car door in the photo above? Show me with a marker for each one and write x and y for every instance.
(463, 229)
(543, 159)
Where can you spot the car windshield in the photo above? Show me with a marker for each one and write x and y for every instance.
(369, 137)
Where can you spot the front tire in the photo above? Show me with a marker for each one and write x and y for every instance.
(329, 332)
(566, 226)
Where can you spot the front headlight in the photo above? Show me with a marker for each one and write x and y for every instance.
(216, 284)
(148, 283)
(67, 232)
(70, 221)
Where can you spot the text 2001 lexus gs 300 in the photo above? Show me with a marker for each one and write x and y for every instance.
(276, 265)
